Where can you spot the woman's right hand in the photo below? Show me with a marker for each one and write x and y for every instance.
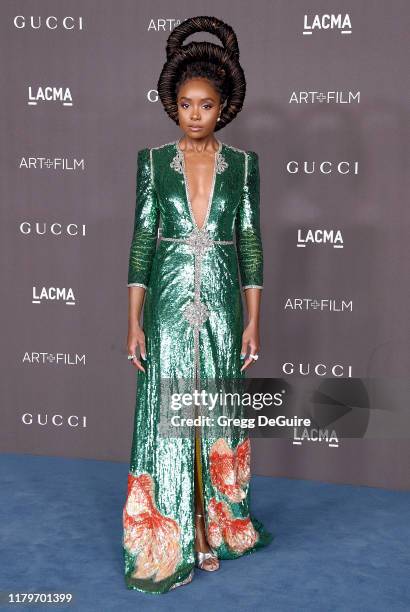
(136, 338)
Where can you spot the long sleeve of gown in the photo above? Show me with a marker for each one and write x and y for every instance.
(247, 226)
(146, 222)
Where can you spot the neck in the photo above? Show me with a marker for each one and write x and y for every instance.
(199, 145)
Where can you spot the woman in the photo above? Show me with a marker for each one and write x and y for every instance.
(188, 500)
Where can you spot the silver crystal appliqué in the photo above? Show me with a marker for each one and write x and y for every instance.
(196, 313)
(177, 162)
(199, 240)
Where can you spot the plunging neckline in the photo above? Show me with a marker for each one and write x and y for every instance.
(211, 193)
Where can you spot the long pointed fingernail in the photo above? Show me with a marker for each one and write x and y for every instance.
(243, 355)
(143, 355)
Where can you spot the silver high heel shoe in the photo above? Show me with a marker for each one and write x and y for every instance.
(201, 557)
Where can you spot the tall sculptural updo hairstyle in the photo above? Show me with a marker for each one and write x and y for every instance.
(219, 64)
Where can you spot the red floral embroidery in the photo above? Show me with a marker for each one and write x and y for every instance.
(239, 534)
(149, 533)
(230, 469)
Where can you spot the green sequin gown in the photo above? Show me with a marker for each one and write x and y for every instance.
(193, 322)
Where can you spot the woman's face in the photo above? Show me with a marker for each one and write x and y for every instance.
(199, 105)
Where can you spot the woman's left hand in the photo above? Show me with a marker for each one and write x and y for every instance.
(250, 343)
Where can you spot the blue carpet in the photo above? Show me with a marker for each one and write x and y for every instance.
(336, 547)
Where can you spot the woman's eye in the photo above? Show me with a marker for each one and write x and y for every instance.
(206, 106)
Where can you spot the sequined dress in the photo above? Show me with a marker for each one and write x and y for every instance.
(193, 322)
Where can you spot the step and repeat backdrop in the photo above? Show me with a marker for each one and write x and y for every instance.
(327, 111)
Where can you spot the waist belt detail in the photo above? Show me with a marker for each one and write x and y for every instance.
(187, 240)
(198, 239)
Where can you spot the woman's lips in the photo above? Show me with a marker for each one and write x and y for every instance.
(195, 128)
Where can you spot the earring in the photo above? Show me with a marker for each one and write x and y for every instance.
(219, 118)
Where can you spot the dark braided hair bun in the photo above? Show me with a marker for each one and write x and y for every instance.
(219, 64)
